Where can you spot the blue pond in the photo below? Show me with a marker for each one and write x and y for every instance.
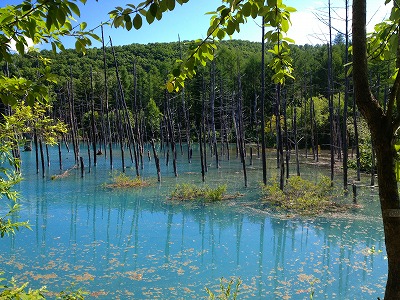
(138, 244)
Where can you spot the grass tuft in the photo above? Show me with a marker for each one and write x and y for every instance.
(300, 195)
(121, 180)
(188, 191)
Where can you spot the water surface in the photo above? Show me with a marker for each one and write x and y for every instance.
(137, 244)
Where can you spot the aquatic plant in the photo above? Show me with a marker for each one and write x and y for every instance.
(188, 191)
(300, 195)
(121, 180)
(225, 292)
(12, 290)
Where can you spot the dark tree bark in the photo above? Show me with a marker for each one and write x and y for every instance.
(109, 137)
(93, 120)
(60, 155)
(287, 147)
(156, 159)
(279, 140)
(262, 104)
(212, 114)
(240, 129)
(330, 96)
(296, 142)
(382, 125)
(346, 100)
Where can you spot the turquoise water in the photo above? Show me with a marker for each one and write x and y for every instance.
(137, 244)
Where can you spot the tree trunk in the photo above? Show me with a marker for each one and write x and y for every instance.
(346, 101)
(106, 99)
(262, 104)
(381, 124)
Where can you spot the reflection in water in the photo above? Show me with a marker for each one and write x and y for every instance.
(137, 244)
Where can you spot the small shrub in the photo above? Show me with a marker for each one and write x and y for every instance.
(300, 195)
(188, 191)
(225, 292)
(121, 180)
(215, 194)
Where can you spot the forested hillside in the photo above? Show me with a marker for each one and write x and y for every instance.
(211, 99)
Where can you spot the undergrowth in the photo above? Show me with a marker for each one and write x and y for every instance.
(225, 292)
(121, 180)
(300, 195)
(188, 191)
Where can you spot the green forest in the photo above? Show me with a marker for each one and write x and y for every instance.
(234, 74)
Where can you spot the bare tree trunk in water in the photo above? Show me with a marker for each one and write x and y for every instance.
(109, 137)
(262, 106)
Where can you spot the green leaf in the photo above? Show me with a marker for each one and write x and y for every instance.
(118, 21)
(289, 40)
(246, 9)
(27, 6)
(290, 9)
(61, 17)
(20, 47)
(171, 4)
(170, 87)
(176, 72)
(137, 21)
(149, 17)
(74, 8)
(83, 26)
(285, 25)
(129, 25)
(221, 34)
(254, 11)
(153, 9)
(78, 46)
(230, 29)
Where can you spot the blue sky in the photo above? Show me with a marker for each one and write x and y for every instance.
(190, 21)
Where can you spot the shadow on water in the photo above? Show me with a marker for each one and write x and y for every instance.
(137, 244)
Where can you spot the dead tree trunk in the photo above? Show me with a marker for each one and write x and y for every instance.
(108, 137)
(240, 129)
(262, 106)
(131, 136)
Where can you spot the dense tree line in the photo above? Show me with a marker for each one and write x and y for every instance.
(143, 70)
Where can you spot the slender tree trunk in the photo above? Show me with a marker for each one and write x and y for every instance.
(279, 139)
(73, 122)
(296, 142)
(60, 154)
(262, 106)
(346, 101)
(42, 157)
(330, 96)
(287, 150)
(203, 117)
(240, 129)
(212, 113)
(109, 137)
(156, 159)
(35, 143)
(93, 120)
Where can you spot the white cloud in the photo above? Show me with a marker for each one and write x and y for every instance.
(28, 40)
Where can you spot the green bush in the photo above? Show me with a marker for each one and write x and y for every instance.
(121, 180)
(188, 191)
(300, 195)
